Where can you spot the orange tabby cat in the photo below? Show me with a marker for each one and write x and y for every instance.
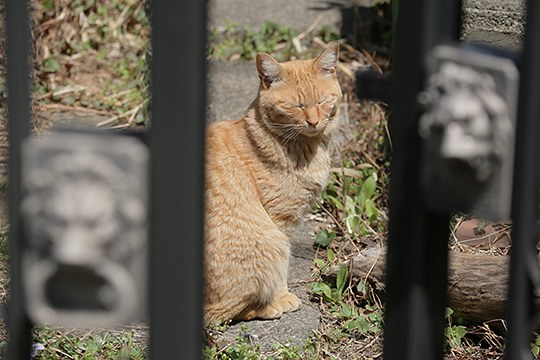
(262, 174)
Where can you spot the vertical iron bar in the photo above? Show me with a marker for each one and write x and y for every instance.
(176, 143)
(18, 85)
(442, 23)
(417, 243)
(525, 194)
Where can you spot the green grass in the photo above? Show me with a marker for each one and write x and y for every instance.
(243, 347)
(89, 345)
(234, 42)
(95, 57)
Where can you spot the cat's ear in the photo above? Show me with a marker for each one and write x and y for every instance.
(269, 70)
(326, 62)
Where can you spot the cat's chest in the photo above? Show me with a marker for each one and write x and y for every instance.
(287, 193)
(306, 182)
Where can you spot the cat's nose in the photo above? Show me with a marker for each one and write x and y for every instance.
(312, 119)
(312, 123)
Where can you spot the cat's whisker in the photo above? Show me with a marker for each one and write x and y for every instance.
(291, 135)
(288, 132)
(283, 126)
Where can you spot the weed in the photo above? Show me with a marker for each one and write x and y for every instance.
(94, 58)
(325, 237)
(242, 347)
(355, 320)
(246, 347)
(362, 321)
(350, 305)
(535, 345)
(351, 197)
(328, 34)
(355, 203)
(454, 333)
(62, 343)
(232, 42)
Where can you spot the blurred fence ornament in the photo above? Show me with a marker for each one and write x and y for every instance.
(468, 131)
(464, 105)
(84, 209)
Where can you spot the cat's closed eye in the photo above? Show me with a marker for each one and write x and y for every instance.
(330, 99)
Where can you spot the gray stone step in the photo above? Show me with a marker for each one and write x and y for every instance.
(231, 87)
(496, 22)
(298, 14)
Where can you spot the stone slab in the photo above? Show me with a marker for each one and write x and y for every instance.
(496, 22)
(298, 14)
(231, 87)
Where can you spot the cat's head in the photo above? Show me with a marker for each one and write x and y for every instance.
(299, 98)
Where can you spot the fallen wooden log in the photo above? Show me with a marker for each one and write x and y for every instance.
(477, 283)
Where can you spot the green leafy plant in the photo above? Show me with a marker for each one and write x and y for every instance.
(99, 63)
(325, 290)
(328, 34)
(535, 345)
(325, 237)
(242, 43)
(245, 346)
(90, 345)
(356, 320)
(454, 333)
(367, 320)
(351, 196)
(233, 42)
(50, 65)
(286, 352)
(360, 206)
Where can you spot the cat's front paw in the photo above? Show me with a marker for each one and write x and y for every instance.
(289, 302)
(285, 303)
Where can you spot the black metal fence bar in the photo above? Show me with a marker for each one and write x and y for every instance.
(417, 245)
(18, 84)
(176, 144)
(523, 265)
